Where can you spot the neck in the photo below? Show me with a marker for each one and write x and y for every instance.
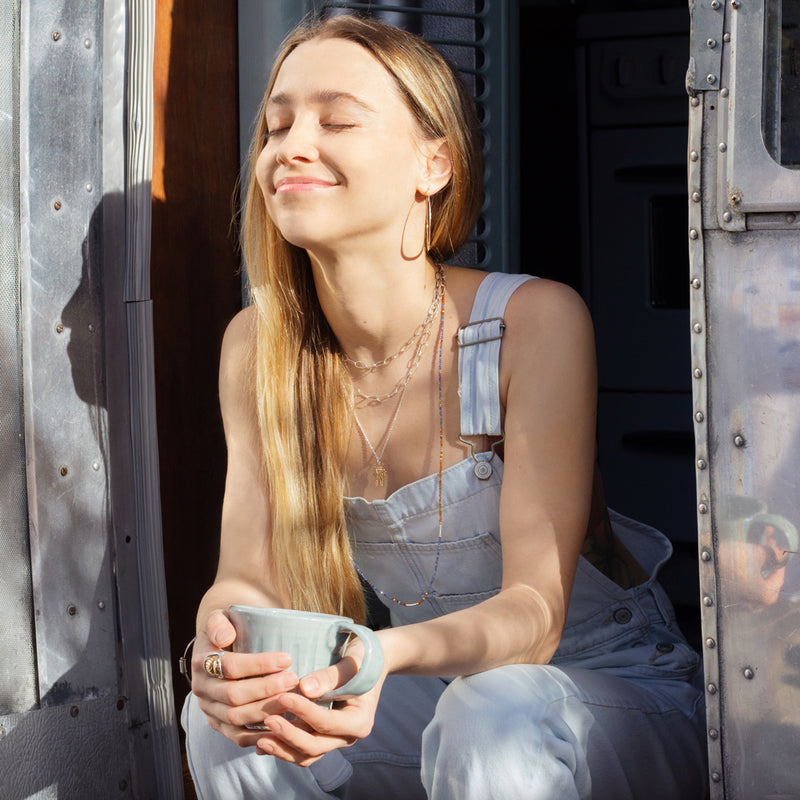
(373, 306)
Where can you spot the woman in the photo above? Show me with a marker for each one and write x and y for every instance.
(356, 374)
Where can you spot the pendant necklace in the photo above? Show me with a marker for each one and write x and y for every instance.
(427, 592)
(379, 470)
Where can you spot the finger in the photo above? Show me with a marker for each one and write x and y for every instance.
(219, 629)
(247, 665)
(246, 690)
(350, 722)
(293, 743)
(318, 683)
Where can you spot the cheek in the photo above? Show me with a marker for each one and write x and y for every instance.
(264, 164)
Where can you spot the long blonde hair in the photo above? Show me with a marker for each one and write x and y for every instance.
(303, 392)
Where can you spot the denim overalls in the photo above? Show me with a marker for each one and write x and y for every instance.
(617, 713)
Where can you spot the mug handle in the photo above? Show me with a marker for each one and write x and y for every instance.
(371, 667)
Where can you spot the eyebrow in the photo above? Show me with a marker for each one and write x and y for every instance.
(323, 97)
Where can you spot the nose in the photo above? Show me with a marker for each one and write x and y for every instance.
(296, 144)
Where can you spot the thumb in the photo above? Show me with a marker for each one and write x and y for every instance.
(318, 683)
(219, 629)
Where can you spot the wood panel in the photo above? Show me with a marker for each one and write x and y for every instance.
(195, 285)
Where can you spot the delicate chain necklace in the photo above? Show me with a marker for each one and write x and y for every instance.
(427, 592)
(379, 470)
(424, 325)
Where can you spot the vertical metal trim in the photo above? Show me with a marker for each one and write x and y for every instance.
(700, 391)
(144, 436)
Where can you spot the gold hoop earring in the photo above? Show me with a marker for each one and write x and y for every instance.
(428, 221)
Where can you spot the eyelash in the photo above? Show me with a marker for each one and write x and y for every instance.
(338, 126)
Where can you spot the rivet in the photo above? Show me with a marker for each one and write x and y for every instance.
(748, 673)
(72, 610)
(735, 198)
(694, 155)
(701, 464)
(87, 43)
(726, 37)
(697, 327)
(101, 605)
(713, 733)
(74, 711)
(722, 147)
(120, 704)
(59, 328)
(727, 216)
(791, 219)
(57, 205)
(734, 3)
(724, 92)
(698, 373)
(699, 416)
(712, 79)
(715, 4)
(695, 101)
(63, 471)
(693, 234)
(716, 777)
(738, 440)
(711, 43)
(90, 326)
(123, 785)
(696, 197)
(710, 643)
(711, 688)
(696, 283)
(95, 465)
(708, 601)
(705, 555)
(88, 187)
(56, 36)
(703, 508)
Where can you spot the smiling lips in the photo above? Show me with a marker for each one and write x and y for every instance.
(302, 184)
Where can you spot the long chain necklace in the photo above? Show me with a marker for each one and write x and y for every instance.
(379, 470)
(427, 592)
(424, 325)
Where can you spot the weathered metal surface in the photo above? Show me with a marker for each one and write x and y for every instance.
(745, 276)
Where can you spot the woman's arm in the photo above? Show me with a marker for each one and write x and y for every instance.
(548, 376)
(243, 573)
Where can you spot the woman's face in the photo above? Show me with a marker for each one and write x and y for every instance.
(343, 159)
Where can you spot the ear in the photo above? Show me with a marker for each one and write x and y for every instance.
(437, 168)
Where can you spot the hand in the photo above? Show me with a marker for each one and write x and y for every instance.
(249, 681)
(313, 730)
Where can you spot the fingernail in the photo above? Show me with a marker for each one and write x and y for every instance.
(309, 685)
(283, 660)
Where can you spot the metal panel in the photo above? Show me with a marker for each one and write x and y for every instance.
(18, 689)
(754, 180)
(745, 329)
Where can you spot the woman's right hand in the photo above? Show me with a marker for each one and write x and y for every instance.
(248, 681)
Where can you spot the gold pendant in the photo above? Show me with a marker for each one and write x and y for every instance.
(379, 473)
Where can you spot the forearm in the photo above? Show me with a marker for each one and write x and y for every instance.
(225, 592)
(516, 626)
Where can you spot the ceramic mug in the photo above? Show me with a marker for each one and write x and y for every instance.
(313, 641)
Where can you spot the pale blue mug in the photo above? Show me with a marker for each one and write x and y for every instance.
(313, 641)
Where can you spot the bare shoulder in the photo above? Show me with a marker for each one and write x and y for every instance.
(549, 334)
(236, 364)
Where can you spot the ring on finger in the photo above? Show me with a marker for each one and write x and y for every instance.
(212, 664)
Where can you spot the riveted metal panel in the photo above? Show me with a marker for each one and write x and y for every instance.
(18, 683)
(745, 276)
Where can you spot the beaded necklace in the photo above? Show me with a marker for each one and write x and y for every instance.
(427, 592)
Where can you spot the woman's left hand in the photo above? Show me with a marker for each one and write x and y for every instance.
(313, 729)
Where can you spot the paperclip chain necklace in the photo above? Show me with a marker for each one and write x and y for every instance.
(418, 331)
(427, 592)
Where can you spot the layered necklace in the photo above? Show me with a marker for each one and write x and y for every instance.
(379, 471)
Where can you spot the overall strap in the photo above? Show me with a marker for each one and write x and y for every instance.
(479, 355)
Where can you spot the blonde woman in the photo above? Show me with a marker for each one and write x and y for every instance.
(431, 430)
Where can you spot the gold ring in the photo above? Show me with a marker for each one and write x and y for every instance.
(212, 664)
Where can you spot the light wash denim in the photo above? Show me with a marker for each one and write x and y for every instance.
(617, 714)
